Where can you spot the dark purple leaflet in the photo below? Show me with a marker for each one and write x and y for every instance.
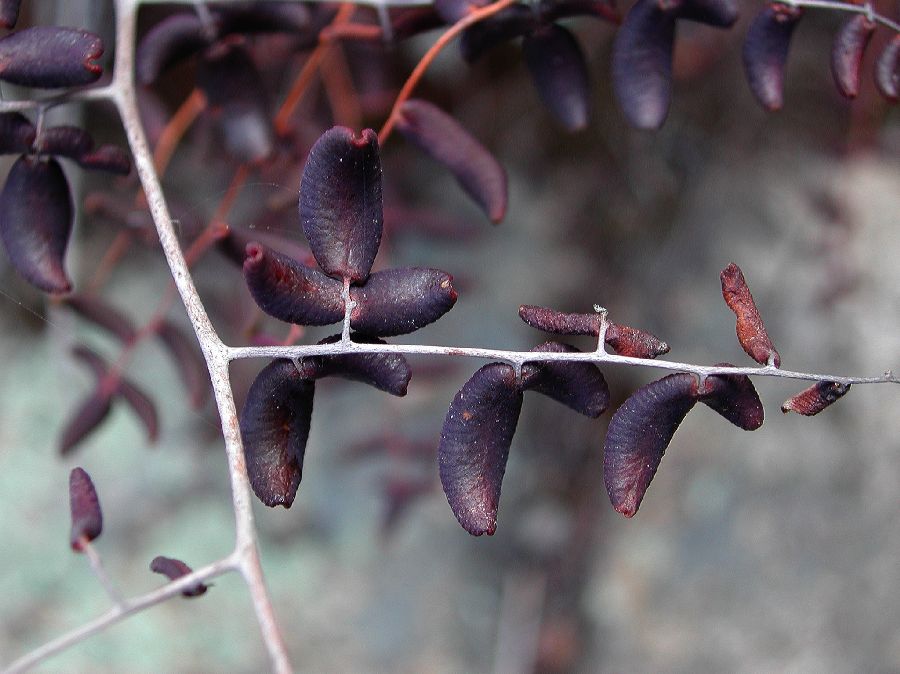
(275, 424)
(452, 11)
(131, 393)
(173, 569)
(36, 215)
(551, 10)
(509, 23)
(16, 133)
(65, 141)
(579, 386)
(385, 371)
(399, 301)
(639, 432)
(887, 71)
(9, 13)
(94, 309)
(340, 202)
(718, 13)
(289, 291)
(174, 38)
(87, 517)
(85, 419)
(445, 140)
(142, 405)
(474, 445)
(734, 397)
(109, 158)
(847, 53)
(642, 63)
(558, 70)
(557, 322)
(624, 340)
(766, 50)
(188, 360)
(49, 57)
(263, 17)
(238, 101)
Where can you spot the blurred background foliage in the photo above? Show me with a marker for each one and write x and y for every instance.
(776, 550)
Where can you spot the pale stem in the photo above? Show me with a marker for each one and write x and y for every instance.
(349, 305)
(119, 612)
(518, 358)
(100, 571)
(604, 327)
(866, 9)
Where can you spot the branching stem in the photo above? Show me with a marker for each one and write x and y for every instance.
(245, 557)
(119, 612)
(518, 358)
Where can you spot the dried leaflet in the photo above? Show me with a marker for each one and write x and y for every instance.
(188, 360)
(275, 424)
(445, 140)
(557, 322)
(109, 158)
(94, 309)
(734, 397)
(85, 419)
(173, 569)
(64, 141)
(751, 332)
(87, 518)
(638, 435)
(847, 53)
(577, 385)
(169, 41)
(340, 202)
(9, 12)
(389, 372)
(507, 24)
(624, 340)
(474, 446)
(717, 13)
(237, 101)
(551, 10)
(16, 133)
(816, 398)
(36, 215)
(400, 301)
(887, 71)
(642, 63)
(627, 341)
(142, 405)
(289, 291)
(559, 73)
(766, 50)
(50, 57)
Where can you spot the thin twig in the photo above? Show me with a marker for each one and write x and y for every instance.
(307, 72)
(518, 358)
(866, 9)
(446, 38)
(119, 612)
(100, 572)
